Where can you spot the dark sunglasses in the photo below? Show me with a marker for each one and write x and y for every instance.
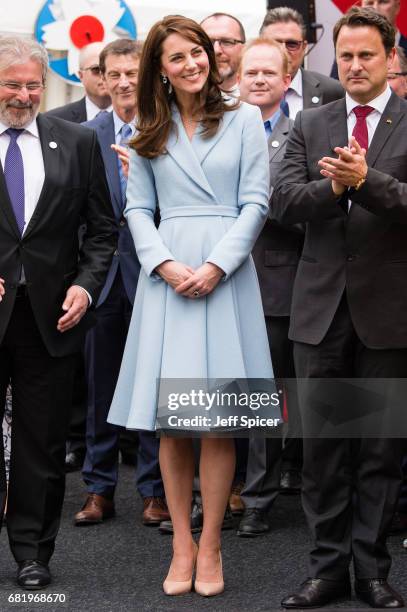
(95, 70)
(291, 45)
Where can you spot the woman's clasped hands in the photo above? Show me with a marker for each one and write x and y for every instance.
(189, 282)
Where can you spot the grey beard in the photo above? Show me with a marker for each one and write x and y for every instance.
(24, 117)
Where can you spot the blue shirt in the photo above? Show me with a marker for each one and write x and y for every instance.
(270, 124)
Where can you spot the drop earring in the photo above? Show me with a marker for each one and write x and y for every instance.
(164, 79)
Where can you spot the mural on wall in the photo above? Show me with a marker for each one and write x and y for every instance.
(65, 26)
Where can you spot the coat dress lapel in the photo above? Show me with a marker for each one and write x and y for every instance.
(190, 156)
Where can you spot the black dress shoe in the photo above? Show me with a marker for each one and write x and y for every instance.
(254, 522)
(399, 523)
(378, 593)
(316, 592)
(33, 575)
(290, 482)
(74, 461)
(196, 520)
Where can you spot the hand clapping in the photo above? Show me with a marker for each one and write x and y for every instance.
(348, 169)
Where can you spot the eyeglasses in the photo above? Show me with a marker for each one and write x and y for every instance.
(395, 75)
(227, 43)
(14, 86)
(291, 45)
(95, 70)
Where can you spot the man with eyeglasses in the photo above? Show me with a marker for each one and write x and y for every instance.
(228, 37)
(308, 89)
(119, 64)
(96, 98)
(51, 176)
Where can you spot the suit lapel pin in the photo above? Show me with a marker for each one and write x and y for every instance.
(52, 145)
(315, 100)
(275, 144)
(389, 121)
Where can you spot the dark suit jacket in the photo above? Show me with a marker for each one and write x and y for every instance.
(364, 252)
(315, 85)
(74, 112)
(125, 255)
(74, 187)
(277, 249)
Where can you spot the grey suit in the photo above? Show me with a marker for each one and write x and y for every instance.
(348, 320)
(276, 255)
(318, 89)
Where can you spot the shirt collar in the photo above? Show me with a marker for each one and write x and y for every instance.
(296, 83)
(92, 110)
(379, 103)
(273, 119)
(118, 124)
(31, 128)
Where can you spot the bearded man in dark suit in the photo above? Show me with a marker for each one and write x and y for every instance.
(52, 176)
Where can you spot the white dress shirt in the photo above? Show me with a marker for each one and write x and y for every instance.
(30, 147)
(34, 173)
(119, 123)
(92, 110)
(294, 95)
(379, 104)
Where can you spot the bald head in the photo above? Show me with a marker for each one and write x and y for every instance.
(88, 54)
(89, 74)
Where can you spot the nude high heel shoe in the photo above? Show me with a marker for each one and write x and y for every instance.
(180, 587)
(207, 589)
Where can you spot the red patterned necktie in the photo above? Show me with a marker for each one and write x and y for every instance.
(360, 130)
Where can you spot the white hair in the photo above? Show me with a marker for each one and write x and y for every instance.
(17, 50)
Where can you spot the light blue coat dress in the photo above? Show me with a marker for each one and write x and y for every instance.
(213, 200)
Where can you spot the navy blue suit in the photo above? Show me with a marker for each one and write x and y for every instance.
(105, 344)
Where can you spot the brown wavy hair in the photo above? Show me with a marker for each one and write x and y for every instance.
(154, 118)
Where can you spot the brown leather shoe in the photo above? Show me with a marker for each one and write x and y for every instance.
(95, 510)
(235, 501)
(155, 510)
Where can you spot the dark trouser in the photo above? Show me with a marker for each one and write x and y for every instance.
(76, 442)
(402, 504)
(42, 387)
(350, 486)
(103, 355)
(267, 454)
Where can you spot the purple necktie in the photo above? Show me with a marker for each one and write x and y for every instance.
(14, 175)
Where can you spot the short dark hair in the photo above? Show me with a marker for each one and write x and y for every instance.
(121, 46)
(284, 14)
(358, 17)
(239, 23)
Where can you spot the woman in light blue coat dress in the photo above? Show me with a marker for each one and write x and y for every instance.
(197, 312)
